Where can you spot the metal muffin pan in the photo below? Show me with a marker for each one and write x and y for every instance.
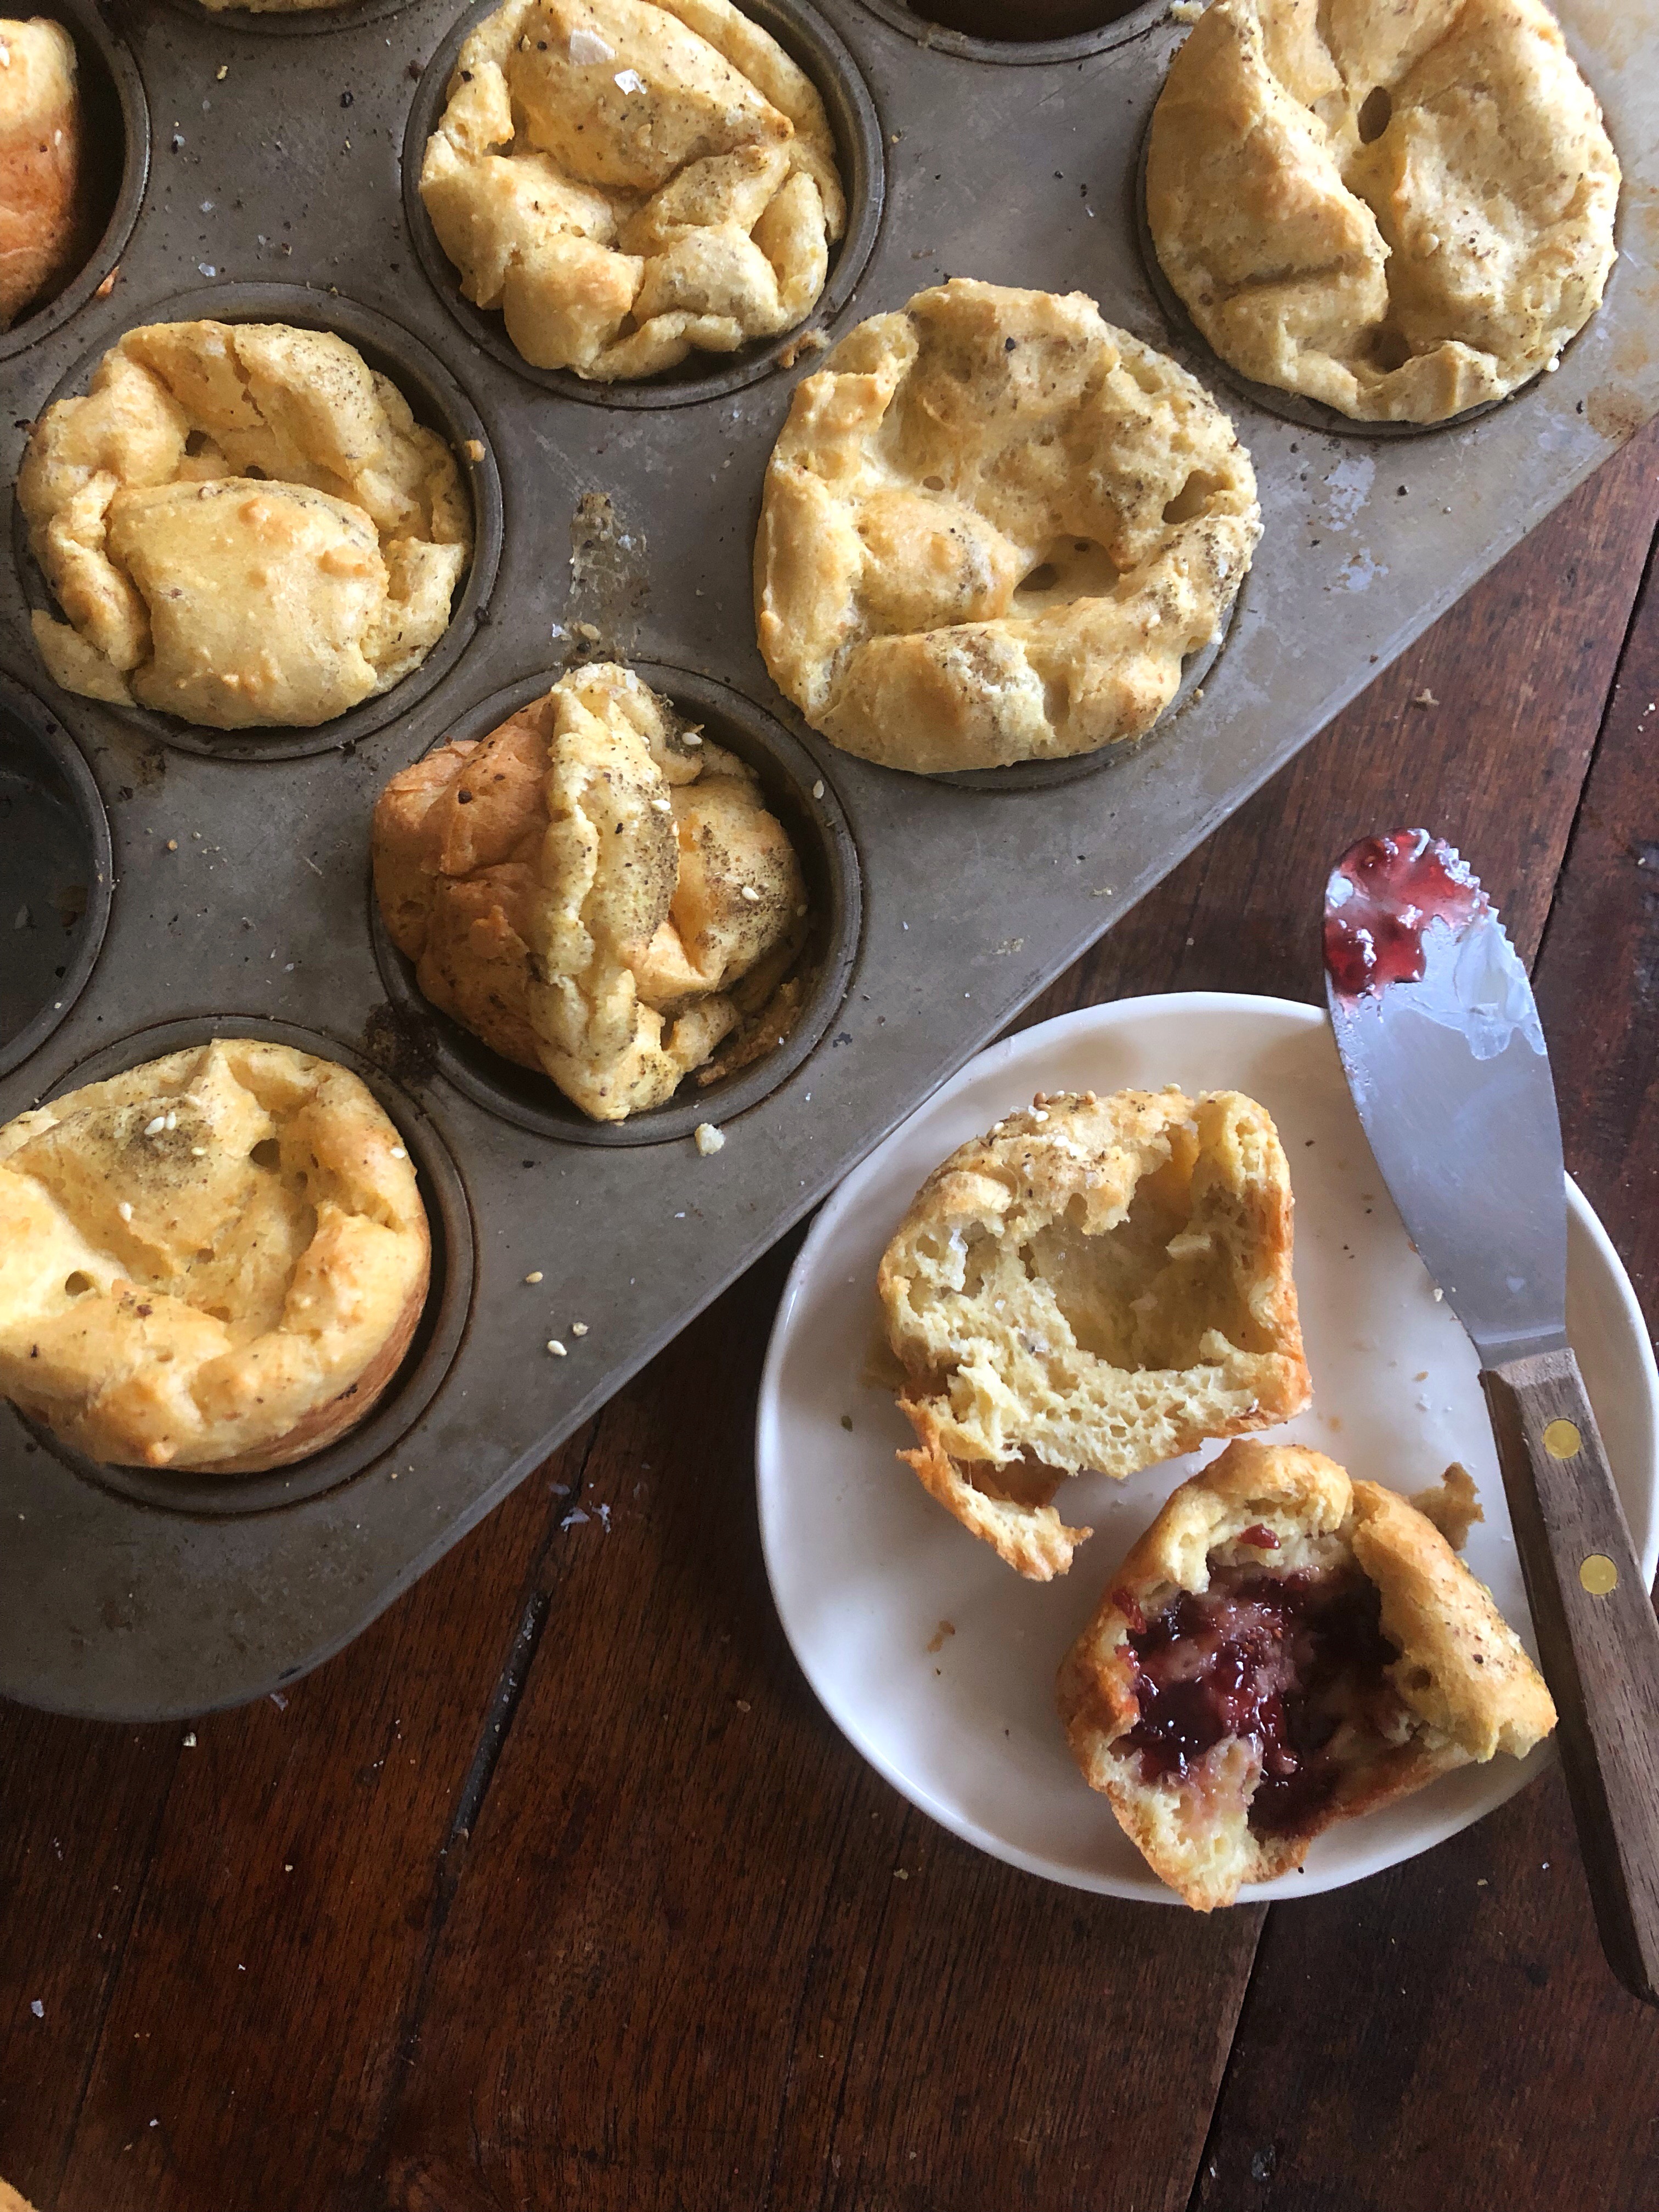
(239, 884)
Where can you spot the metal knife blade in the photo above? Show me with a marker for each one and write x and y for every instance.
(1440, 1040)
(1441, 1043)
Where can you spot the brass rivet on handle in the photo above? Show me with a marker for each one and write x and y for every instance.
(1563, 1440)
(1598, 1574)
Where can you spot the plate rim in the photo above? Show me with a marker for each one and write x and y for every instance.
(1108, 1014)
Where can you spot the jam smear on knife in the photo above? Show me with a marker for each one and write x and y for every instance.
(1396, 887)
(1282, 1658)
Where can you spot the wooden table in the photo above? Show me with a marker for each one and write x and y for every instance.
(557, 1890)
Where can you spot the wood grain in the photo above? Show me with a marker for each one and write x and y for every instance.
(742, 1971)
(219, 2029)
(1598, 1642)
(1472, 2044)
(591, 1907)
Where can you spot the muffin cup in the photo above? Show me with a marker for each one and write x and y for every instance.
(345, 17)
(205, 1493)
(115, 114)
(809, 41)
(1295, 406)
(797, 793)
(56, 836)
(1114, 29)
(438, 402)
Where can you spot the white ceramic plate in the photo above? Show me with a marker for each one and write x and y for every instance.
(867, 1569)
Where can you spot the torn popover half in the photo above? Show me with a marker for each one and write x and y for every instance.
(1282, 1650)
(1098, 1283)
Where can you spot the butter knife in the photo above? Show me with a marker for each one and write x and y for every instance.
(1440, 1043)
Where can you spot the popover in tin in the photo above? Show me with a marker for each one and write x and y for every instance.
(215, 1260)
(39, 161)
(1282, 1650)
(1403, 212)
(1099, 1284)
(598, 891)
(243, 525)
(992, 528)
(630, 179)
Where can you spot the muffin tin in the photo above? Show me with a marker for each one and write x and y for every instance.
(197, 883)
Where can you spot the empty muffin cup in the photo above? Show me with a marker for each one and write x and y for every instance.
(55, 835)
(1005, 31)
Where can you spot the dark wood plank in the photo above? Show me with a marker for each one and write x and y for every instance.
(704, 1957)
(1472, 2044)
(1445, 2034)
(279, 1869)
(79, 1810)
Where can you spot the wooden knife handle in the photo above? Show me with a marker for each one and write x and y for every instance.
(1598, 1639)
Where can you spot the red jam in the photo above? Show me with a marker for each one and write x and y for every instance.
(1281, 1658)
(1383, 895)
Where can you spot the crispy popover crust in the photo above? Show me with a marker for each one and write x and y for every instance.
(1099, 1283)
(627, 180)
(39, 161)
(1399, 211)
(1460, 1688)
(244, 524)
(595, 891)
(992, 527)
(215, 1261)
